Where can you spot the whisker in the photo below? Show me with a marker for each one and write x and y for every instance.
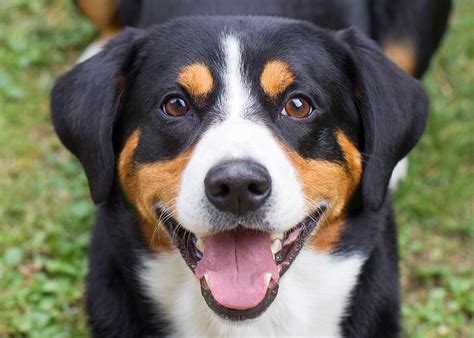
(165, 214)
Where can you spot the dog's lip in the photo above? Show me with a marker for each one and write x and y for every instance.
(237, 315)
(185, 242)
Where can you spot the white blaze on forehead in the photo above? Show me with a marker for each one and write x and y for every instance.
(236, 137)
(236, 97)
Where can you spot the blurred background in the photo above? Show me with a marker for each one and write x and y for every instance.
(46, 214)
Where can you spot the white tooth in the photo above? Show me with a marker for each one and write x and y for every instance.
(279, 235)
(268, 276)
(199, 245)
(208, 280)
(276, 246)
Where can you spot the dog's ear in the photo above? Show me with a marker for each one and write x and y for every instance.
(84, 104)
(393, 107)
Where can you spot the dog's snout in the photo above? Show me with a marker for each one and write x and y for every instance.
(238, 186)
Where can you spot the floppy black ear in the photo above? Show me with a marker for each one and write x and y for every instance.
(84, 104)
(393, 108)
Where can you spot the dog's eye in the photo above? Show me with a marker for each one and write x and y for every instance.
(176, 107)
(297, 107)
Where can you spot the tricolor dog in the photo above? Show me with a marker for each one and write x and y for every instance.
(240, 166)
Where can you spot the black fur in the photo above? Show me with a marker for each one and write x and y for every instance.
(97, 105)
(423, 22)
(116, 305)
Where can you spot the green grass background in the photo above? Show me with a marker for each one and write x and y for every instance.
(46, 213)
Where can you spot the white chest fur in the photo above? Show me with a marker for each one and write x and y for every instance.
(311, 301)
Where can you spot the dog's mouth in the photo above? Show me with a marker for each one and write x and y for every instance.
(239, 270)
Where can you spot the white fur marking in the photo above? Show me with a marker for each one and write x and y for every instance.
(237, 98)
(91, 50)
(237, 140)
(399, 173)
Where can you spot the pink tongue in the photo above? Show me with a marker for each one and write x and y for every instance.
(237, 263)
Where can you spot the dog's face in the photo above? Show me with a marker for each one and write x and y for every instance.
(238, 141)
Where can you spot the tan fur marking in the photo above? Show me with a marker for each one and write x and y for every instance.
(276, 77)
(197, 79)
(147, 184)
(325, 180)
(403, 54)
(103, 14)
(327, 235)
(352, 156)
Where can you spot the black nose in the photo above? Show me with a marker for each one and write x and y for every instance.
(238, 186)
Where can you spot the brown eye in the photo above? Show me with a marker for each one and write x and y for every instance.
(297, 107)
(176, 107)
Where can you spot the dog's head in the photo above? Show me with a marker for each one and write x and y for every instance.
(240, 140)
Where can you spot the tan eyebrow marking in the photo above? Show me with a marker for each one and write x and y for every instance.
(196, 79)
(276, 77)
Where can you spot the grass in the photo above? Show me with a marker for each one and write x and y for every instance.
(46, 213)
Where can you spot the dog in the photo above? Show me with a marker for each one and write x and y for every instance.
(240, 167)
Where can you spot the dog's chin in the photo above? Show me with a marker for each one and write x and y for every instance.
(291, 241)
